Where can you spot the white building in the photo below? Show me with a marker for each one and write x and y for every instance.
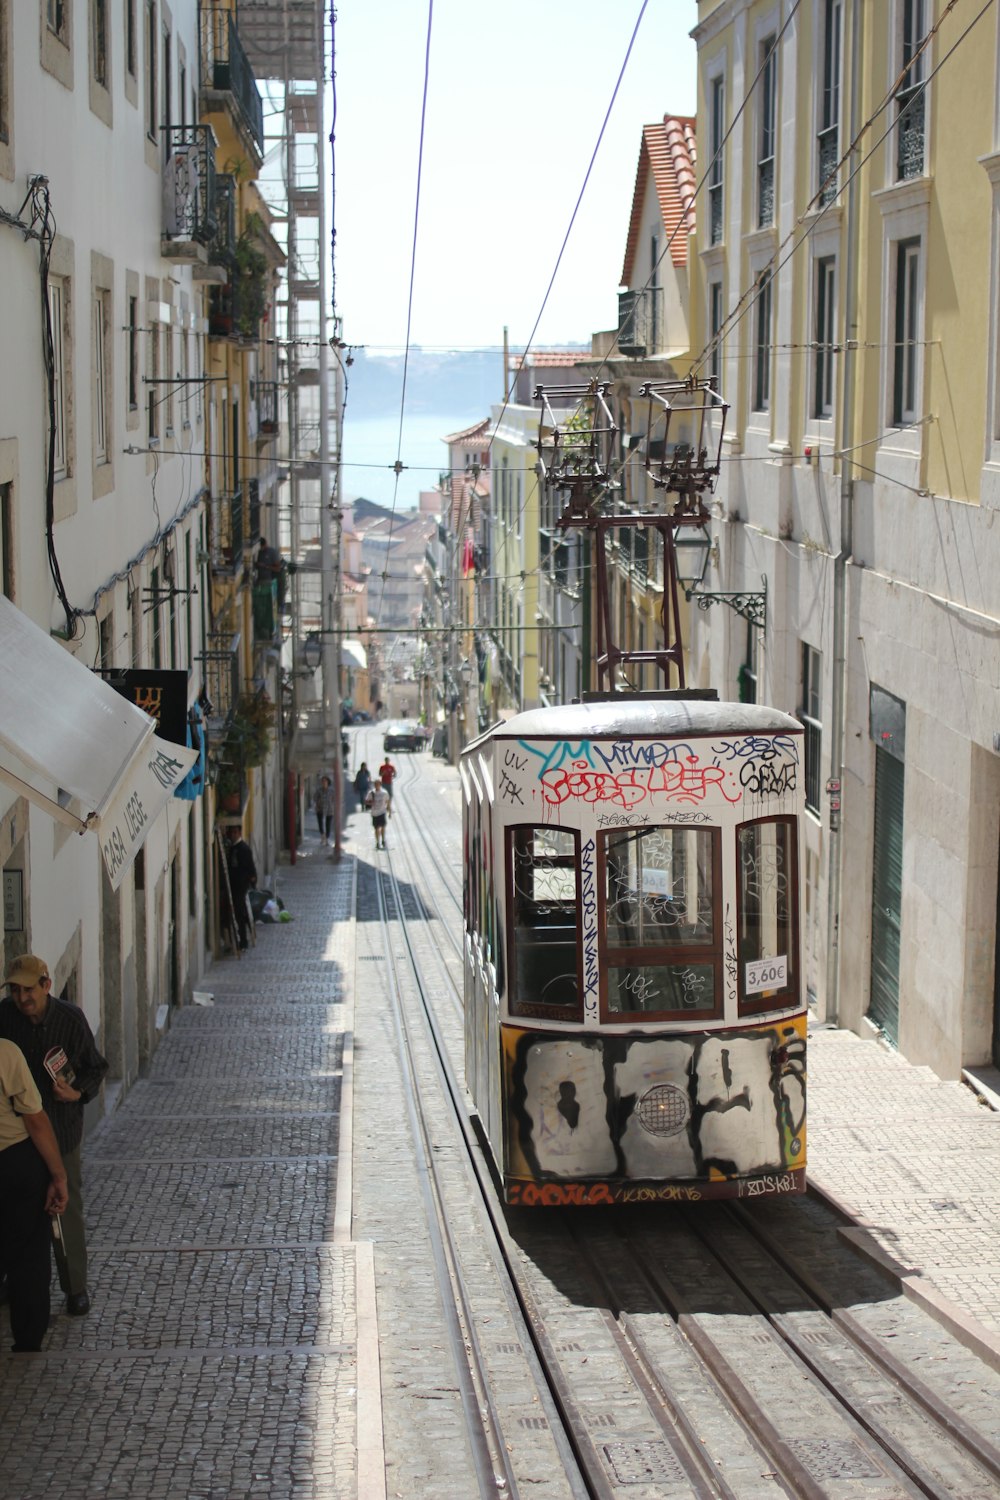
(103, 178)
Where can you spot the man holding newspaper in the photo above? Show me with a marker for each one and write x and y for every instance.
(67, 1070)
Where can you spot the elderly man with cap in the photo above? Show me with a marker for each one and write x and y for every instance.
(67, 1069)
(32, 1186)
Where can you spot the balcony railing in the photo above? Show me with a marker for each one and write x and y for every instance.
(640, 321)
(910, 133)
(765, 192)
(715, 225)
(267, 408)
(189, 192)
(253, 507)
(266, 618)
(225, 69)
(221, 663)
(228, 531)
(826, 143)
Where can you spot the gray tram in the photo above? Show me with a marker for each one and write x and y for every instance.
(635, 1016)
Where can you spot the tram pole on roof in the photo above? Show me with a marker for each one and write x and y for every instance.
(575, 446)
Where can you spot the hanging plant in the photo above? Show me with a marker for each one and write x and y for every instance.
(249, 279)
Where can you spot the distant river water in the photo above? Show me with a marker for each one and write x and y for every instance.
(370, 447)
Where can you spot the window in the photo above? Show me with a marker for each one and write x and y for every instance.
(767, 132)
(152, 388)
(544, 904)
(99, 40)
(715, 333)
(905, 371)
(663, 951)
(768, 925)
(102, 377)
(7, 540)
(56, 18)
(911, 93)
(5, 51)
(167, 94)
(824, 337)
(57, 324)
(154, 613)
(809, 713)
(717, 102)
(151, 105)
(762, 344)
(133, 354)
(828, 136)
(131, 40)
(166, 391)
(135, 624)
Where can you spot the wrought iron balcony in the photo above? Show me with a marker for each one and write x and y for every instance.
(910, 133)
(226, 71)
(266, 617)
(826, 145)
(228, 532)
(765, 192)
(267, 408)
(715, 223)
(221, 674)
(190, 221)
(640, 322)
(253, 503)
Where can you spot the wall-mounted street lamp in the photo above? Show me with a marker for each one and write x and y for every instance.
(693, 547)
(312, 651)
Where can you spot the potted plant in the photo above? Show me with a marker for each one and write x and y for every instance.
(248, 279)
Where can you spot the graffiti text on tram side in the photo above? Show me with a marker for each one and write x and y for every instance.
(589, 913)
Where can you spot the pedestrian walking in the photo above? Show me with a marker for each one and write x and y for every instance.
(242, 875)
(378, 806)
(67, 1070)
(387, 775)
(324, 805)
(32, 1190)
(363, 784)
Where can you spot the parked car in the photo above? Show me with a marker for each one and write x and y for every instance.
(404, 735)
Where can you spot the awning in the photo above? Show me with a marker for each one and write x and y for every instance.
(353, 656)
(76, 748)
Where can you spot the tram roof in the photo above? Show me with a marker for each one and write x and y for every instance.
(623, 717)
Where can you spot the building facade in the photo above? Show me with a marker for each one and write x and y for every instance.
(848, 301)
(132, 462)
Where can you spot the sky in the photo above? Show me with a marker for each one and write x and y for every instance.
(516, 98)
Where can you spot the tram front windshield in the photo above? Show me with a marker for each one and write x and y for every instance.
(662, 947)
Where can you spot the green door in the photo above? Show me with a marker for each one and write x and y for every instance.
(887, 893)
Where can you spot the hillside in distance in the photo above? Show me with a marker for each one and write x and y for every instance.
(442, 381)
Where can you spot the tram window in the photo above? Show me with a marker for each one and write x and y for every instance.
(767, 914)
(544, 865)
(663, 950)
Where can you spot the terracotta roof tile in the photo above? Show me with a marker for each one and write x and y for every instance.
(471, 437)
(668, 152)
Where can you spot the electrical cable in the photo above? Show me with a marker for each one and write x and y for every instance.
(413, 260)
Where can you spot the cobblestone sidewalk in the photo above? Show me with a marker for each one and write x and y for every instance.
(916, 1161)
(220, 1358)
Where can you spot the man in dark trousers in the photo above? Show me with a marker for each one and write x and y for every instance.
(242, 875)
(67, 1070)
(32, 1187)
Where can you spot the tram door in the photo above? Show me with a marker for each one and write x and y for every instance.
(887, 893)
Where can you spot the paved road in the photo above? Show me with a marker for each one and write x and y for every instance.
(244, 1342)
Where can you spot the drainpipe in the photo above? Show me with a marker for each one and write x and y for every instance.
(838, 710)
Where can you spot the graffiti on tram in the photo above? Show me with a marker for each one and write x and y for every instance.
(696, 1106)
(631, 774)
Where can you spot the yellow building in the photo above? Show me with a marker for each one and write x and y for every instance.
(847, 301)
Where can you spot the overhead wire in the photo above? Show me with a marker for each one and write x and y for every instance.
(413, 259)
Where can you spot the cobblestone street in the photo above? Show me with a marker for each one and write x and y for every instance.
(236, 1344)
(220, 1357)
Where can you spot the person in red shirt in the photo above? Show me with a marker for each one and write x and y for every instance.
(387, 774)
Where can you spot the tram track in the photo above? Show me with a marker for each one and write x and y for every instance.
(671, 1309)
